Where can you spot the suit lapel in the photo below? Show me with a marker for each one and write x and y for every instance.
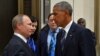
(28, 48)
(70, 34)
(58, 43)
(24, 44)
(46, 37)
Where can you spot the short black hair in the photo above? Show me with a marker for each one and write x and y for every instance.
(50, 15)
(34, 19)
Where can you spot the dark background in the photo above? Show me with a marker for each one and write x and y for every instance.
(8, 9)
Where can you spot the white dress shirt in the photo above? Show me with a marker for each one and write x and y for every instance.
(21, 37)
(67, 28)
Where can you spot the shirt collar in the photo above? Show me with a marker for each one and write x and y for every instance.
(56, 30)
(20, 36)
(67, 27)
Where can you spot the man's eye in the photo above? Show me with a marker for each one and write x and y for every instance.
(30, 24)
(51, 20)
(55, 14)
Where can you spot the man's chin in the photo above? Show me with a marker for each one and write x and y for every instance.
(58, 25)
(32, 32)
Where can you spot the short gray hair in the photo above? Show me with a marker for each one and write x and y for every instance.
(65, 6)
(18, 19)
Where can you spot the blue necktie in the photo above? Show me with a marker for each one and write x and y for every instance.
(31, 44)
(52, 45)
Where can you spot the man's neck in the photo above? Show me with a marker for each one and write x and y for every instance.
(69, 19)
(20, 36)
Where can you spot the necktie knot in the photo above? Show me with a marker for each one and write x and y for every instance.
(53, 33)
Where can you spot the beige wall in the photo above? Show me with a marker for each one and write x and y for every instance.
(84, 9)
(42, 24)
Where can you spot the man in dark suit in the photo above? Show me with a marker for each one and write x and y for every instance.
(18, 46)
(45, 38)
(77, 40)
(82, 23)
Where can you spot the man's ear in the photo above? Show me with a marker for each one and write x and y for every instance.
(19, 26)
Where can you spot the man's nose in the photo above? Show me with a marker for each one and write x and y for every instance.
(34, 27)
(53, 21)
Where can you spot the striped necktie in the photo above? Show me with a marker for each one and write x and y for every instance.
(52, 45)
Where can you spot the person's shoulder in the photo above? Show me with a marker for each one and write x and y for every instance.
(90, 30)
(77, 27)
(81, 28)
(45, 28)
(13, 43)
(93, 33)
(16, 41)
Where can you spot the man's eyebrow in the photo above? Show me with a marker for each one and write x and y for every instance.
(54, 13)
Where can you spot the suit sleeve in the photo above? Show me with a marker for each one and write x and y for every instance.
(86, 43)
(14, 51)
(19, 52)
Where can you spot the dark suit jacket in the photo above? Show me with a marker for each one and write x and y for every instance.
(43, 48)
(79, 42)
(17, 47)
